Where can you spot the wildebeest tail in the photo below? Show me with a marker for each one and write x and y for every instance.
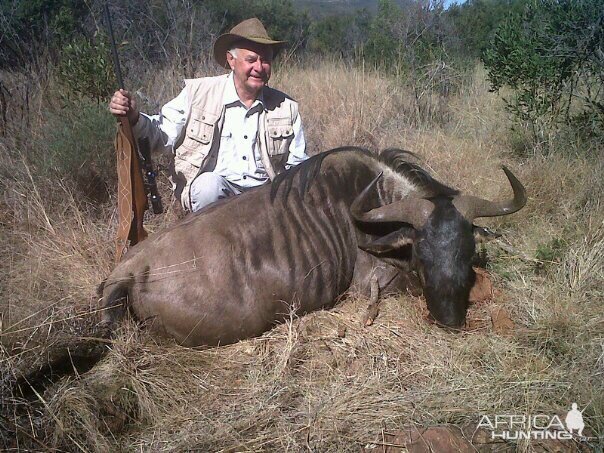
(115, 299)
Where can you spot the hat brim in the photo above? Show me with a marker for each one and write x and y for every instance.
(224, 43)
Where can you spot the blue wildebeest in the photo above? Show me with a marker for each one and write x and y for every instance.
(319, 230)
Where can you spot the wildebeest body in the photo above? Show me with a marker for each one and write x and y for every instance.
(234, 270)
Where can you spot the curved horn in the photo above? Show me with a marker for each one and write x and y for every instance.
(472, 207)
(409, 210)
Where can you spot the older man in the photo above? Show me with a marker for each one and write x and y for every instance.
(228, 133)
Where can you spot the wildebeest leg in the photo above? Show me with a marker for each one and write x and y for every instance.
(388, 282)
(394, 276)
(374, 277)
(373, 309)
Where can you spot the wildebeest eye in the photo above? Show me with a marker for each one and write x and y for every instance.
(423, 249)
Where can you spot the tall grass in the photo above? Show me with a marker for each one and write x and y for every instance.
(323, 382)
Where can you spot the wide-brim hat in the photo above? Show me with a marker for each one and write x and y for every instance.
(250, 30)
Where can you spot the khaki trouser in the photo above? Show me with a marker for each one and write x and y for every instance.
(209, 187)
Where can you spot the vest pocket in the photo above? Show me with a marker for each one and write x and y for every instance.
(198, 137)
(201, 126)
(279, 138)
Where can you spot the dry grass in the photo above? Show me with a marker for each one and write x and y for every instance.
(323, 382)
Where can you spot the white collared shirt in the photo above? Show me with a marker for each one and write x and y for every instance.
(238, 157)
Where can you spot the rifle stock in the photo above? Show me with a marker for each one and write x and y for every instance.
(131, 196)
(139, 196)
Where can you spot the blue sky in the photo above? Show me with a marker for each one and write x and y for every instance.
(450, 2)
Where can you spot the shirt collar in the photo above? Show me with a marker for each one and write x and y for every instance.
(230, 96)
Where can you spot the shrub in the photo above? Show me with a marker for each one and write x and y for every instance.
(475, 21)
(548, 253)
(551, 56)
(30, 27)
(85, 69)
(341, 35)
(278, 16)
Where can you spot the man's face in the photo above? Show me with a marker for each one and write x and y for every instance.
(251, 67)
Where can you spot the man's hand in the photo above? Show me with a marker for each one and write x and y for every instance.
(123, 104)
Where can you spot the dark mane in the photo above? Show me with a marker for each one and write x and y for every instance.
(307, 171)
(398, 160)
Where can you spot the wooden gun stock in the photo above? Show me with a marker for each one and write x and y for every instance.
(131, 195)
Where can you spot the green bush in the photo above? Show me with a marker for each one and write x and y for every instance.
(85, 69)
(281, 19)
(383, 46)
(33, 27)
(342, 35)
(551, 56)
(474, 22)
(551, 251)
(408, 39)
(548, 253)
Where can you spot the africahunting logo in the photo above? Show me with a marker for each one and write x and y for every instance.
(540, 426)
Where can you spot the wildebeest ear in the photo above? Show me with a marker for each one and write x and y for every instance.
(393, 241)
(483, 234)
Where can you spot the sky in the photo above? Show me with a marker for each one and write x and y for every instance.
(450, 2)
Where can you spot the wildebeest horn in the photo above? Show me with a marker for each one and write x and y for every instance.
(409, 210)
(472, 207)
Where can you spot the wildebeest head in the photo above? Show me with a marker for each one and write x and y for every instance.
(442, 237)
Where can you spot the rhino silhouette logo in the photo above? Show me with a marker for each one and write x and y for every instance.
(574, 420)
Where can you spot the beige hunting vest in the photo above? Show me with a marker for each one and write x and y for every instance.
(196, 151)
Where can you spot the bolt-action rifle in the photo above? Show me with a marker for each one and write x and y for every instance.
(132, 199)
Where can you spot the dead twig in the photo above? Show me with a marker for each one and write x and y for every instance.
(516, 253)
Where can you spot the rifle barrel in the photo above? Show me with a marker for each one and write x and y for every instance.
(116, 60)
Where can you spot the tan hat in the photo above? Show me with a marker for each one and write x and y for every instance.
(250, 29)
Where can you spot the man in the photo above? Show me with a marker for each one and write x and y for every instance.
(228, 133)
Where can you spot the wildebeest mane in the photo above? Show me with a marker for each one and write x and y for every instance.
(306, 171)
(302, 175)
(398, 160)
